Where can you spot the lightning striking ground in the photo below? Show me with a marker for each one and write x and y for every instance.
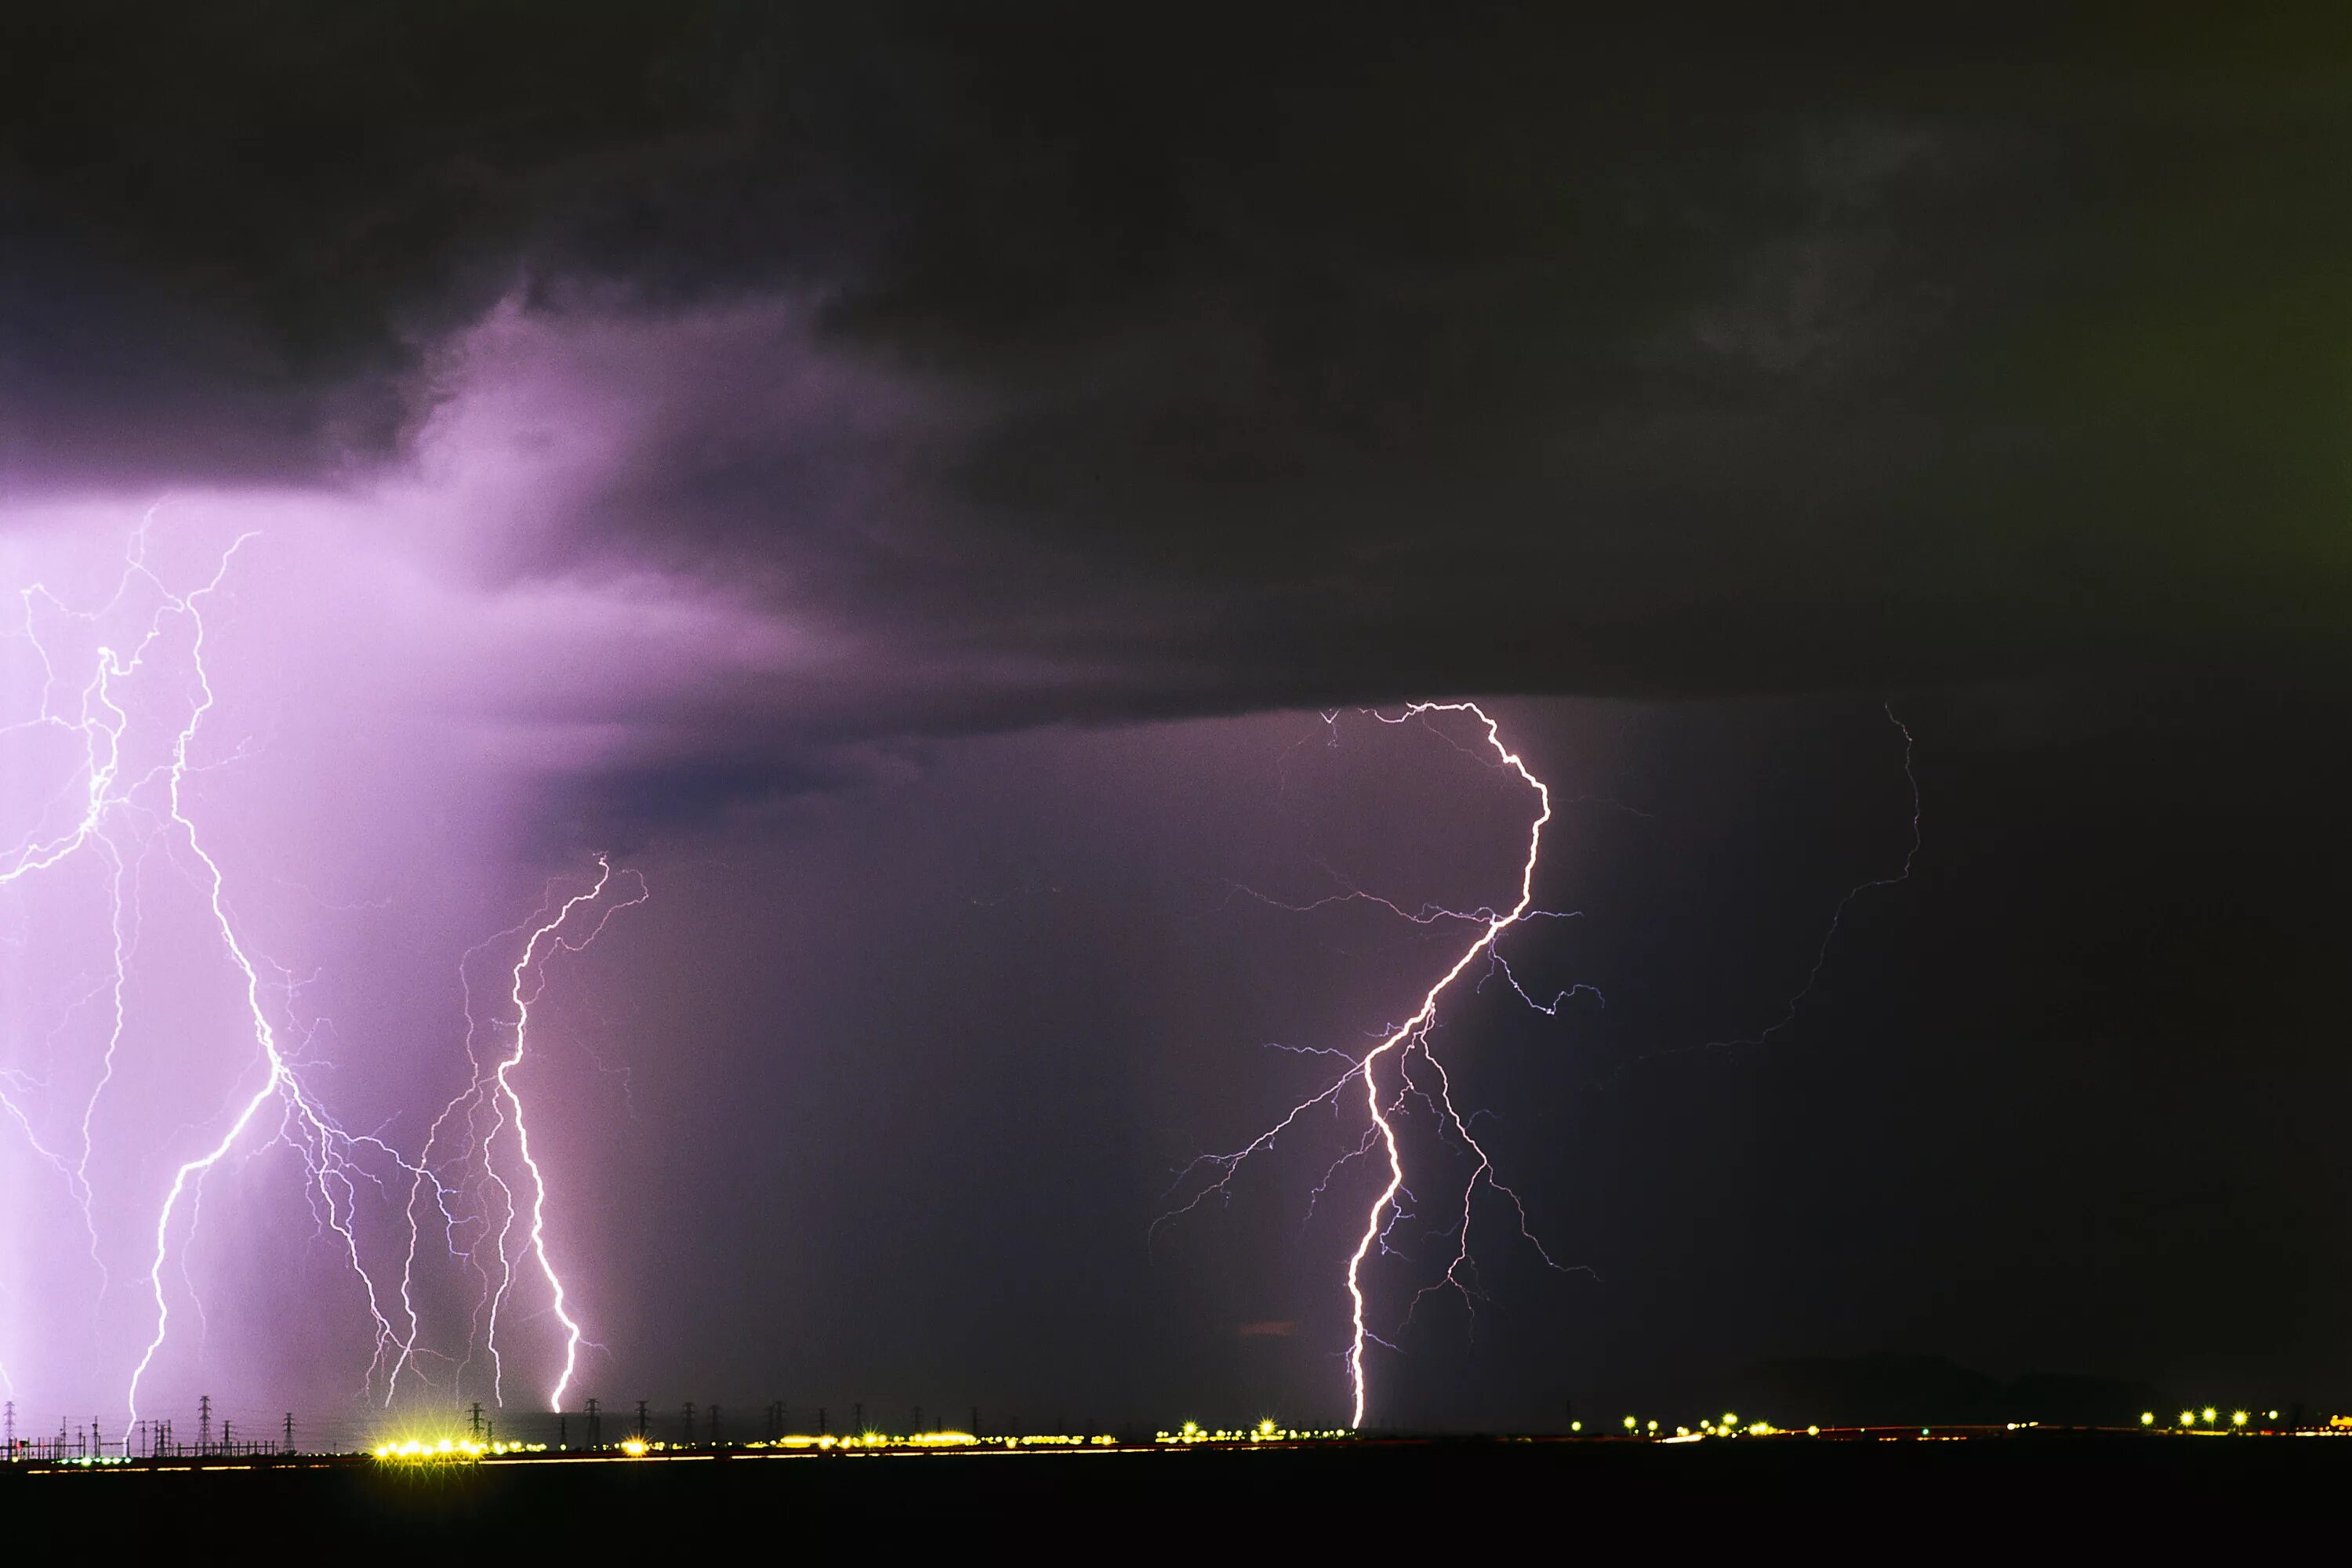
(1402, 1042)
(133, 700)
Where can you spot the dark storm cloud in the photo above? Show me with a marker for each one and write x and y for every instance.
(1263, 355)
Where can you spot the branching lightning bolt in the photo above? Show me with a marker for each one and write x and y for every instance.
(1402, 1041)
(1797, 998)
(528, 984)
(115, 808)
(491, 1094)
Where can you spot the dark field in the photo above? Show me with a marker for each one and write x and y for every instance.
(2037, 1495)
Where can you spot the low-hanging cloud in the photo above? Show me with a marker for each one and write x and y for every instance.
(913, 372)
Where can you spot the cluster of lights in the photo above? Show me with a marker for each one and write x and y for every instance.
(2206, 1420)
(453, 1450)
(1730, 1426)
(881, 1440)
(1265, 1431)
(638, 1448)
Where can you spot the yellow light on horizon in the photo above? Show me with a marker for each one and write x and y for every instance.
(2237, 1419)
(2147, 1417)
(635, 1447)
(2209, 1413)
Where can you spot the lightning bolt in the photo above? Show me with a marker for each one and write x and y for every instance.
(124, 797)
(492, 1092)
(306, 1127)
(1416, 1029)
(1798, 998)
(526, 979)
(1402, 1042)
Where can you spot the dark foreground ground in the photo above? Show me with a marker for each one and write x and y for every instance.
(2039, 1496)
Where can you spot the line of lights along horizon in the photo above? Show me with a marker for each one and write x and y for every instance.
(122, 695)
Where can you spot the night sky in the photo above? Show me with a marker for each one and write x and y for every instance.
(932, 488)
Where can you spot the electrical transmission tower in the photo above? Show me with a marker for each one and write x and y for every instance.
(596, 1424)
(477, 1420)
(290, 1431)
(203, 1422)
(641, 1420)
